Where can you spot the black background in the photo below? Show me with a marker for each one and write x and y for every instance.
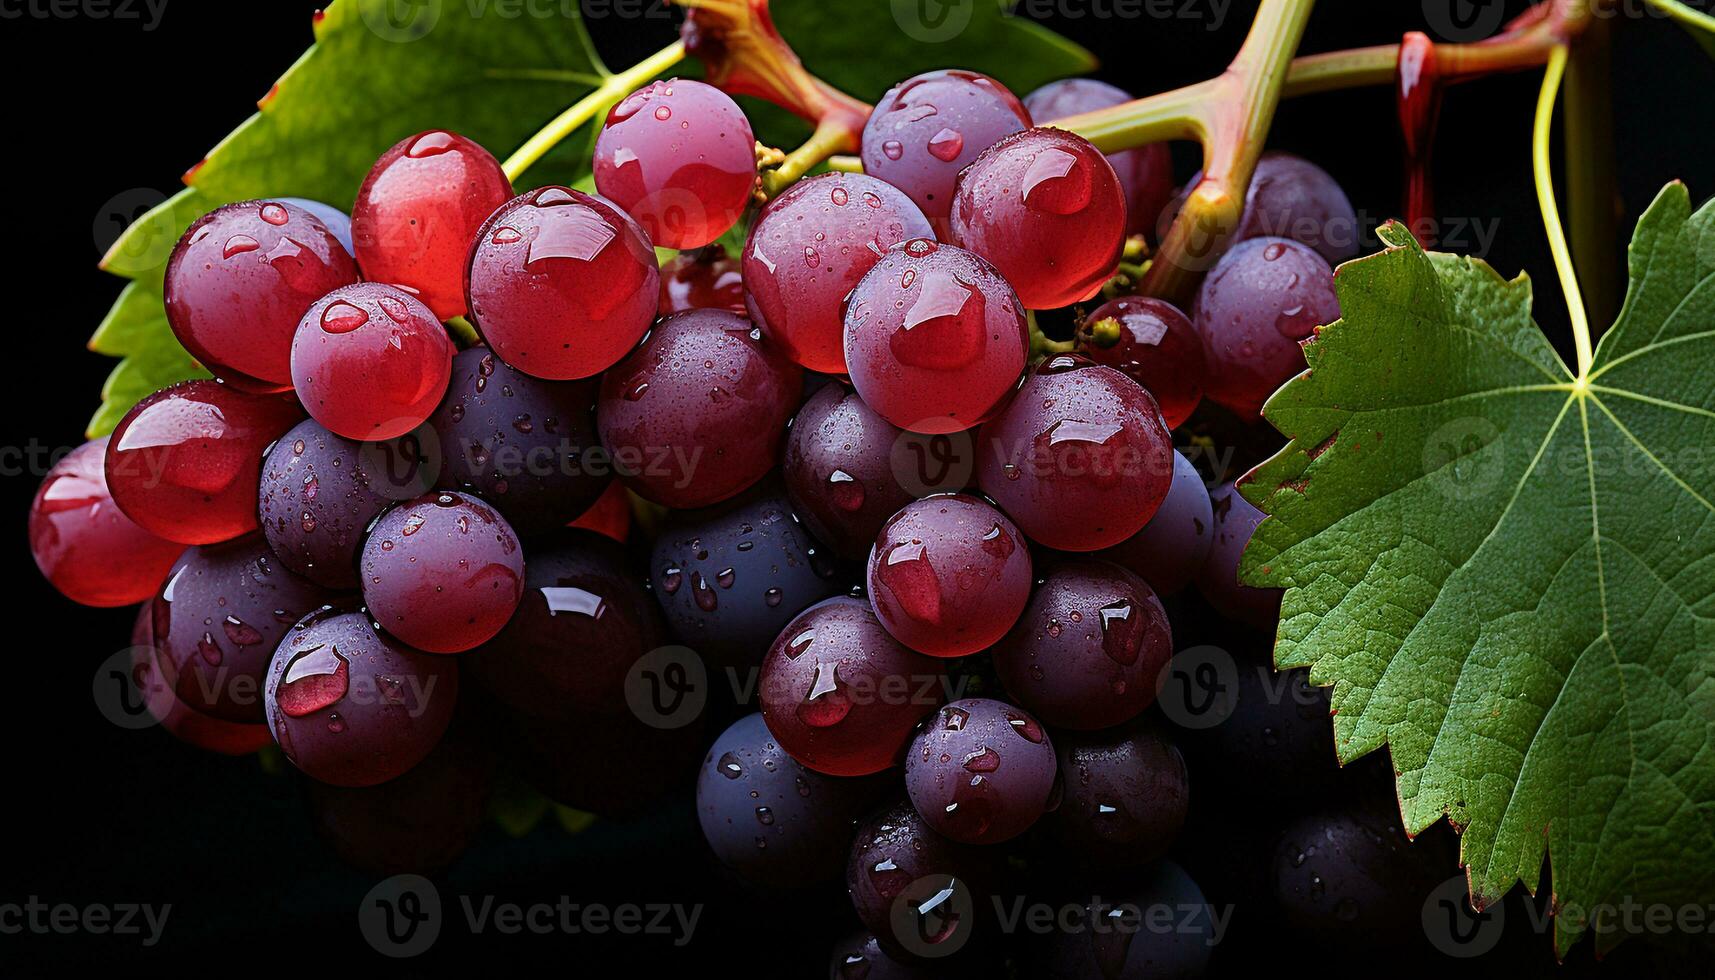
(92, 813)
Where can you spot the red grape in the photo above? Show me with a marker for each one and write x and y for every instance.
(730, 579)
(370, 361)
(1080, 458)
(561, 284)
(218, 620)
(419, 210)
(809, 249)
(1089, 649)
(1122, 802)
(154, 680)
(610, 515)
(1235, 522)
(84, 545)
(840, 694)
(701, 279)
(770, 819)
(1045, 207)
(443, 572)
(929, 127)
(679, 156)
(585, 619)
(521, 443)
(184, 462)
(699, 411)
(839, 470)
(353, 707)
(1170, 549)
(1263, 300)
(981, 771)
(935, 339)
(949, 575)
(240, 279)
(1146, 173)
(319, 492)
(1151, 342)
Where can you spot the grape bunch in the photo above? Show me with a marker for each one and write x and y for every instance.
(405, 559)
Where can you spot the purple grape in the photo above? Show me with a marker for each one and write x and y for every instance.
(840, 694)
(730, 579)
(584, 621)
(443, 572)
(1271, 738)
(1089, 649)
(859, 956)
(929, 127)
(1122, 800)
(981, 771)
(319, 493)
(1263, 300)
(419, 823)
(610, 765)
(1160, 928)
(949, 575)
(1171, 548)
(219, 618)
(839, 470)
(897, 862)
(154, 684)
(698, 412)
(1218, 580)
(1081, 458)
(770, 819)
(1354, 878)
(350, 705)
(1146, 172)
(1290, 197)
(337, 221)
(520, 442)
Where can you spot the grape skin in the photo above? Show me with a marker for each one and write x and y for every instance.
(981, 771)
(443, 572)
(1264, 299)
(1170, 550)
(86, 547)
(1146, 172)
(1123, 799)
(1218, 581)
(704, 278)
(370, 361)
(1158, 347)
(839, 470)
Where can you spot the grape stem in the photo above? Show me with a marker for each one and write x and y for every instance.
(828, 139)
(463, 334)
(1539, 146)
(609, 92)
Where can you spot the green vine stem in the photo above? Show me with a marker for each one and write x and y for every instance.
(609, 92)
(1540, 165)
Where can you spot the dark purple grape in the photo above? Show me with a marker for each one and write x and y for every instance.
(1269, 737)
(1160, 928)
(897, 864)
(1151, 342)
(319, 492)
(154, 682)
(698, 412)
(860, 957)
(949, 575)
(931, 126)
(1121, 802)
(840, 694)
(1080, 458)
(1146, 173)
(839, 470)
(584, 621)
(350, 705)
(980, 771)
(770, 819)
(609, 765)
(1089, 649)
(1290, 197)
(730, 579)
(219, 618)
(523, 444)
(443, 572)
(1235, 522)
(1354, 878)
(1263, 300)
(419, 823)
(1171, 548)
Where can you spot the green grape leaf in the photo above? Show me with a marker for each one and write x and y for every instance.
(1508, 573)
(377, 72)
